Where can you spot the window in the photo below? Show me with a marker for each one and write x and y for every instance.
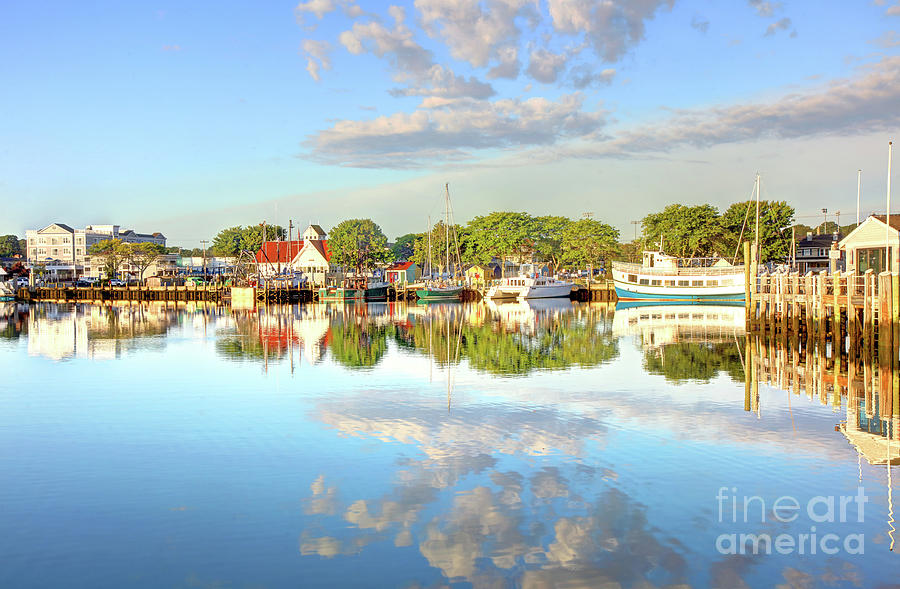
(712, 283)
(632, 278)
(683, 283)
(656, 283)
(670, 283)
(644, 281)
(696, 283)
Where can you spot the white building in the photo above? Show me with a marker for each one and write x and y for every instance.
(63, 251)
(867, 245)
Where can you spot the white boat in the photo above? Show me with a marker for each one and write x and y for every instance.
(7, 286)
(529, 285)
(667, 278)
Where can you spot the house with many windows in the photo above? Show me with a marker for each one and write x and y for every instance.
(816, 252)
(63, 252)
(874, 244)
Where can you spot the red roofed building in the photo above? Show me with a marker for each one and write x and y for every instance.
(310, 256)
(401, 273)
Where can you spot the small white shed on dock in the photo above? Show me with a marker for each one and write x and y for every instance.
(866, 245)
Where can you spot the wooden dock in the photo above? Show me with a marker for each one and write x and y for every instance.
(827, 307)
(187, 293)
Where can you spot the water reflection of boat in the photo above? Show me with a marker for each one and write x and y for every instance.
(662, 324)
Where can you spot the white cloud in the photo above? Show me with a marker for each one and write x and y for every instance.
(318, 7)
(765, 8)
(612, 26)
(442, 82)
(886, 40)
(316, 56)
(473, 30)
(864, 104)
(509, 65)
(409, 59)
(585, 75)
(779, 25)
(700, 24)
(429, 136)
(545, 66)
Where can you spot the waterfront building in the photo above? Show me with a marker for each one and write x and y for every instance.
(310, 256)
(63, 251)
(865, 246)
(817, 252)
(401, 273)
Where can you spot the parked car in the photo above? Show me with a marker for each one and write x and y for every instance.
(21, 281)
(116, 282)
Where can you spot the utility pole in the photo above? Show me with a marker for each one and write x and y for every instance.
(825, 226)
(837, 215)
(887, 232)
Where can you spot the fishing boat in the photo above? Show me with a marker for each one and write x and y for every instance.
(662, 277)
(443, 288)
(350, 289)
(530, 285)
(377, 291)
(436, 291)
(7, 286)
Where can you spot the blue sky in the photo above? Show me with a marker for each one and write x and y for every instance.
(189, 117)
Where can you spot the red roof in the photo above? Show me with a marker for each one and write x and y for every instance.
(278, 252)
(401, 266)
(284, 252)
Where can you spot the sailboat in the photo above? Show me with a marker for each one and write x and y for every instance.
(441, 289)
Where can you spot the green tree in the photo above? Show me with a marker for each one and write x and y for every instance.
(775, 218)
(359, 244)
(505, 235)
(9, 246)
(547, 234)
(404, 247)
(142, 255)
(110, 253)
(588, 242)
(228, 242)
(686, 232)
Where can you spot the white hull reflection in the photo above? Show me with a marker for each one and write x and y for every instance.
(665, 324)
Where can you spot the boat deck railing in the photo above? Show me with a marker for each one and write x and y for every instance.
(708, 271)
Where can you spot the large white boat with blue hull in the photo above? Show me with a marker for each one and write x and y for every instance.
(667, 278)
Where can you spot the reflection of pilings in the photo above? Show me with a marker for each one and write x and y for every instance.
(829, 373)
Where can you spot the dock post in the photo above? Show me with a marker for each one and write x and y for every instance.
(748, 303)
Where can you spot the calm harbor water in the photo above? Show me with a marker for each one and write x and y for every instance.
(537, 445)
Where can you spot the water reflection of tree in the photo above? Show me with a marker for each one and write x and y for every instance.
(553, 343)
(685, 361)
(358, 344)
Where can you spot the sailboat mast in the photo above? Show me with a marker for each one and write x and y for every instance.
(429, 246)
(858, 186)
(447, 225)
(756, 242)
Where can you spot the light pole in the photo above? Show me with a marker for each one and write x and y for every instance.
(825, 226)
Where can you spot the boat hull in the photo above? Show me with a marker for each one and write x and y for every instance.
(377, 293)
(341, 294)
(547, 292)
(636, 293)
(439, 294)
